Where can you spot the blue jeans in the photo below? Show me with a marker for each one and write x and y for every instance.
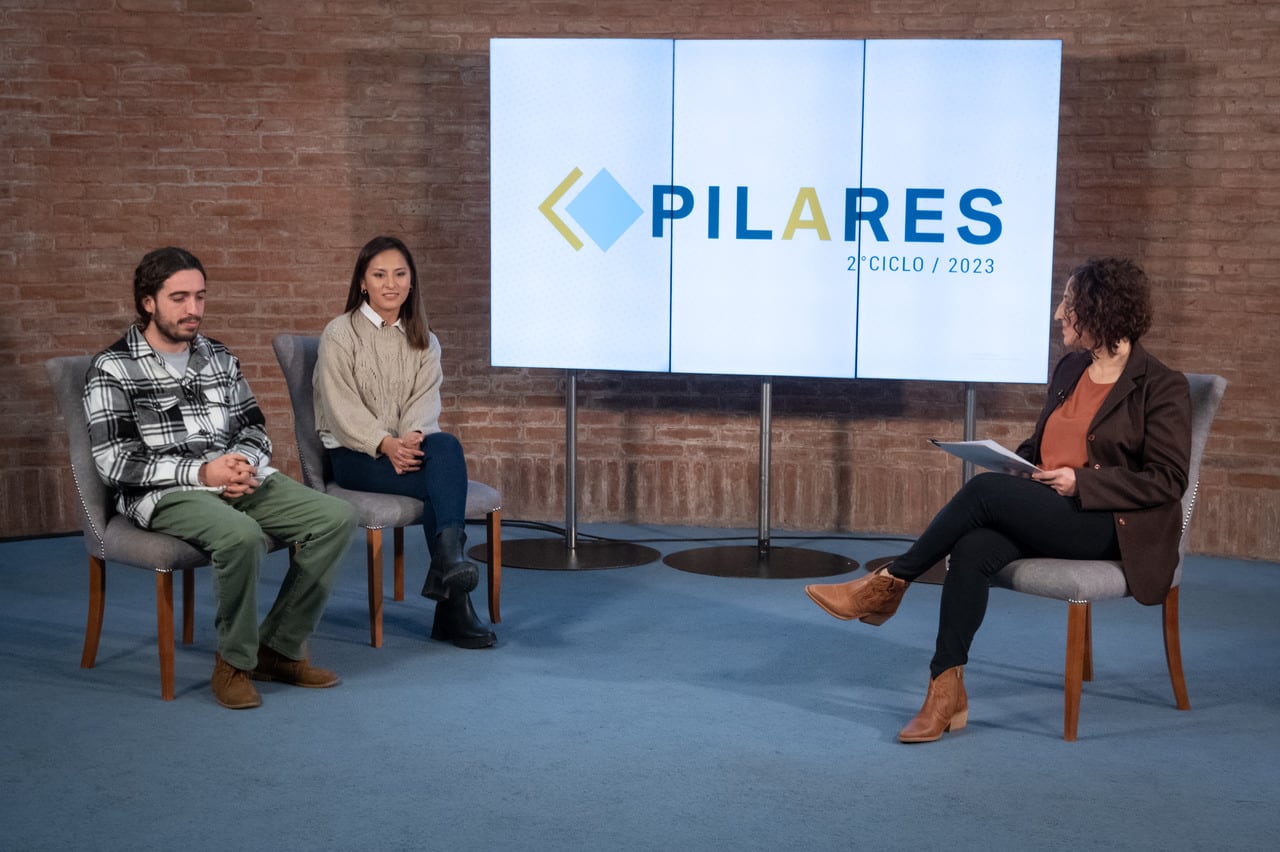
(440, 483)
(991, 521)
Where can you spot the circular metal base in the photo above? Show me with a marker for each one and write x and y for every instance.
(935, 575)
(553, 554)
(751, 560)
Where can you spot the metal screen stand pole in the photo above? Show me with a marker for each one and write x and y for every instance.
(762, 560)
(569, 554)
(766, 434)
(970, 407)
(571, 460)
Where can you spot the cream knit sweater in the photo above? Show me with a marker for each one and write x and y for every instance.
(369, 383)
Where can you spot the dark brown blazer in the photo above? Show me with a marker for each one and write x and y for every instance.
(1139, 450)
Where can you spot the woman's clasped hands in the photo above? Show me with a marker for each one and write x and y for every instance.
(405, 454)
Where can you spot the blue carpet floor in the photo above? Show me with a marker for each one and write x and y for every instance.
(637, 708)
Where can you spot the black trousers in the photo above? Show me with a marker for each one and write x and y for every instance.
(993, 520)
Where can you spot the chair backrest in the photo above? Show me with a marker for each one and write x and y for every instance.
(1206, 396)
(97, 503)
(297, 356)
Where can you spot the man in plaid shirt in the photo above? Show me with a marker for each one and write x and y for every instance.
(178, 434)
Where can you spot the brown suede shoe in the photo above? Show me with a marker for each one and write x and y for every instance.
(232, 687)
(276, 666)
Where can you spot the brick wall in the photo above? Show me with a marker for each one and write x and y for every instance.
(273, 137)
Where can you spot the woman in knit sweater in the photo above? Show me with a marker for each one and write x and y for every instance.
(377, 404)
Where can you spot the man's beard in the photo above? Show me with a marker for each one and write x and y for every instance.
(174, 332)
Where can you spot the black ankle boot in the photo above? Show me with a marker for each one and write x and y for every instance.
(456, 622)
(451, 573)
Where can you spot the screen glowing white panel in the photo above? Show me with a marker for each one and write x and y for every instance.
(946, 292)
(766, 140)
(574, 286)
(877, 209)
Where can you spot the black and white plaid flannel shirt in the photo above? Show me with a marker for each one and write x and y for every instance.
(151, 429)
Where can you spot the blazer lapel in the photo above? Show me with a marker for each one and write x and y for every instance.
(1134, 370)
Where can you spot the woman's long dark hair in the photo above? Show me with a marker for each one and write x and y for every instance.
(413, 313)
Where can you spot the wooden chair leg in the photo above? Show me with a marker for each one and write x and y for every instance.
(164, 627)
(97, 600)
(493, 530)
(373, 552)
(1173, 650)
(188, 605)
(1077, 628)
(397, 560)
(1087, 671)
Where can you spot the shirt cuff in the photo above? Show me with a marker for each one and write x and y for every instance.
(188, 472)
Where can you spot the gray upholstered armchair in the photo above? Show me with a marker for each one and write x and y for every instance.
(1081, 582)
(109, 536)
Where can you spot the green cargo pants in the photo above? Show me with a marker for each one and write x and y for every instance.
(231, 531)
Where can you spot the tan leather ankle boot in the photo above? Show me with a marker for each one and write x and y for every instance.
(946, 708)
(873, 598)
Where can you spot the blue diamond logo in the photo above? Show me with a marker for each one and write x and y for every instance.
(604, 210)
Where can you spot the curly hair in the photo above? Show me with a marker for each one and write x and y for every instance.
(1110, 301)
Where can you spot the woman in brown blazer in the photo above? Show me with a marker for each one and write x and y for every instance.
(1113, 443)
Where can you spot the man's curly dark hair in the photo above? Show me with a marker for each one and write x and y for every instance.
(1110, 301)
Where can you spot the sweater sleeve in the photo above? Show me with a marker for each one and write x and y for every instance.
(340, 410)
(421, 411)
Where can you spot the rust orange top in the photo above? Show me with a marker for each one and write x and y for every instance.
(1066, 432)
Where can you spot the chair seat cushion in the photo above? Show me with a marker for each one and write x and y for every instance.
(482, 499)
(376, 511)
(126, 543)
(1064, 579)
